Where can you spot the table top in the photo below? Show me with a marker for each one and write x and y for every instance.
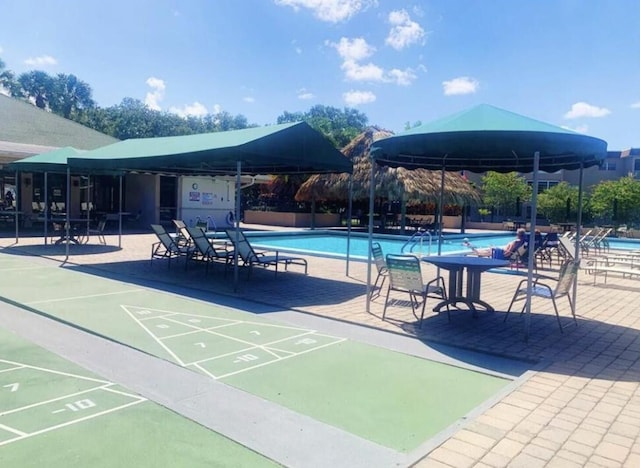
(466, 261)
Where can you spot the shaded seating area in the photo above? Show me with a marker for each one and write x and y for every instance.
(166, 247)
(542, 289)
(405, 276)
(98, 231)
(251, 257)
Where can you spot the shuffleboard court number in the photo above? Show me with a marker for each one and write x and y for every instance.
(306, 341)
(143, 312)
(13, 387)
(162, 325)
(245, 358)
(202, 345)
(77, 406)
(255, 332)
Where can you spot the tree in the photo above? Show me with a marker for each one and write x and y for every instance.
(559, 203)
(617, 200)
(37, 85)
(70, 95)
(502, 191)
(7, 79)
(339, 126)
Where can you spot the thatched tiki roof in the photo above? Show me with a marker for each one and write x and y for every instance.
(418, 185)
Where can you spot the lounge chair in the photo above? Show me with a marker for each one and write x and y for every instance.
(166, 247)
(405, 276)
(180, 236)
(205, 251)
(250, 257)
(567, 276)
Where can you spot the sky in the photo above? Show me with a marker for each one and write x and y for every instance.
(571, 63)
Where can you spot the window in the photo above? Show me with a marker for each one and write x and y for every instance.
(608, 166)
(544, 184)
(636, 164)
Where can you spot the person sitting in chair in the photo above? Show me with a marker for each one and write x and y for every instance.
(501, 253)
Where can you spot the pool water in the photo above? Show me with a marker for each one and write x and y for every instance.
(334, 244)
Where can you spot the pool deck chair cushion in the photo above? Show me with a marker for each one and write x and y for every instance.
(166, 247)
(405, 276)
(205, 251)
(250, 257)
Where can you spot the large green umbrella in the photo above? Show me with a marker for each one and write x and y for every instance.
(486, 138)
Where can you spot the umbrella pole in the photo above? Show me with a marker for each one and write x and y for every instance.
(18, 202)
(440, 211)
(349, 209)
(371, 202)
(67, 225)
(532, 243)
(578, 224)
(120, 215)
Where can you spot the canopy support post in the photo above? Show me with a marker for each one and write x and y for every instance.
(349, 210)
(120, 214)
(67, 224)
(46, 207)
(578, 225)
(372, 187)
(532, 244)
(18, 202)
(237, 226)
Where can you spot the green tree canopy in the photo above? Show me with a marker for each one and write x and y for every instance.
(38, 86)
(559, 203)
(339, 126)
(503, 191)
(617, 200)
(70, 95)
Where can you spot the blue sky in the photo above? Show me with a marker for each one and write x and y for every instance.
(572, 63)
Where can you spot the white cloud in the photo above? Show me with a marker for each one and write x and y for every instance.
(305, 95)
(401, 77)
(41, 61)
(332, 11)
(460, 85)
(153, 97)
(249, 99)
(404, 31)
(356, 72)
(217, 109)
(354, 98)
(196, 110)
(583, 109)
(353, 49)
(635, 105)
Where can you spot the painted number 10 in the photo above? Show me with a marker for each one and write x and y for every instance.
(80, 405)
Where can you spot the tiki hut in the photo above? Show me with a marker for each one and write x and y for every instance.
(409, 187)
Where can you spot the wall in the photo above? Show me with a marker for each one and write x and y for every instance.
(206, 197)
(275, 218)
(141, 197)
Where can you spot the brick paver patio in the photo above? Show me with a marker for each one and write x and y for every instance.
(581, 406)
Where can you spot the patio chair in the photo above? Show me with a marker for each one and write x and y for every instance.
(405, 275)
(166, 247)
(180, 237)
(381, 267)
(250, 257)
(205, 251)
(98, 231)
(564, 283)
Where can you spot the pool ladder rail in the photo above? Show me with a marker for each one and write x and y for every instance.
(418, 239)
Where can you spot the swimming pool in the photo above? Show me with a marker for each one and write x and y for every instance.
(334, 244)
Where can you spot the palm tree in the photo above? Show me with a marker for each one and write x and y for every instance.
(70, 95)
(37, 85)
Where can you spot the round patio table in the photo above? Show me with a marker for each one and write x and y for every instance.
(475, 266)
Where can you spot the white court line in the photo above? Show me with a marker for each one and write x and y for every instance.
(205, 371)
(11, 369)
(169, 313)
(40, 403)
(75, 421)
(89, 296)
(166, 348)
(326, 345)
(120, 392)
(177, 335)
(254, 346)
(12, 430)
(68, 374)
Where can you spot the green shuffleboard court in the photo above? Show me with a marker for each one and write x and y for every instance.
(56, 414)
(393, 399)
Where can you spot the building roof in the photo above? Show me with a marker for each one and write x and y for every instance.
(26, 130)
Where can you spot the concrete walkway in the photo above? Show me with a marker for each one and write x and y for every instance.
(581, 407)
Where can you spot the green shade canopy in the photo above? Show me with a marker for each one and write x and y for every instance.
(276, 149)
(486, 138)
(51, 161)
